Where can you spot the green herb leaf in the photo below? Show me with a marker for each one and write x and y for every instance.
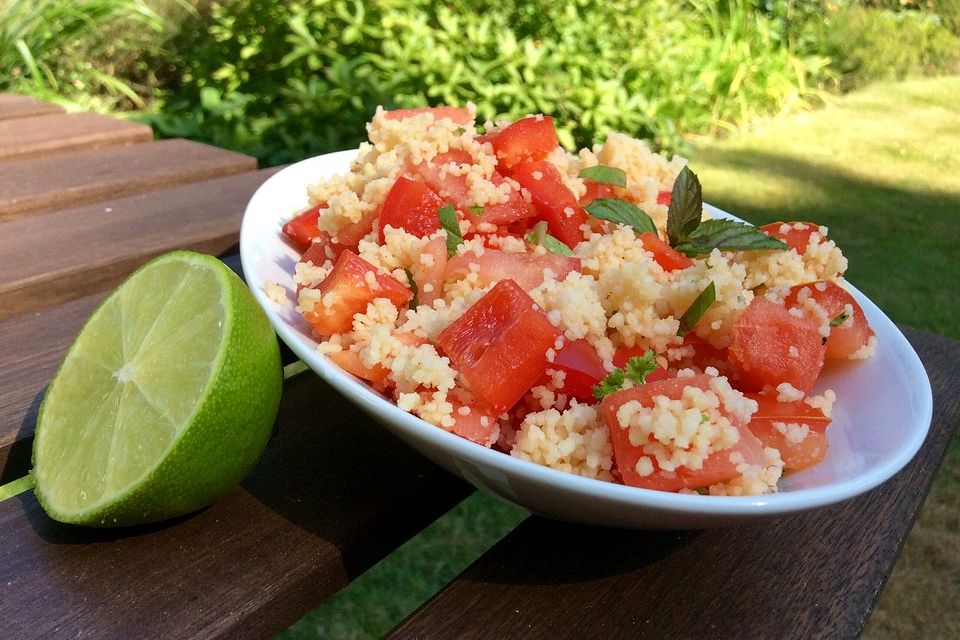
(476, 209)
(686, 207)
(696, 309)
(608, 385)
(727, 235)
(639, 367)
(840, 319)
(605, 175)
(448, 220)
(540, 236)
(637, 370)
(621, 212)
(459, 131)
(415, 302)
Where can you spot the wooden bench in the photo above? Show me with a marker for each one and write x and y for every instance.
(335, 493)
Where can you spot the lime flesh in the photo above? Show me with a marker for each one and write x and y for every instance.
(165, 400)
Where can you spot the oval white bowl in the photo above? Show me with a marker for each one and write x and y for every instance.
(880, 420)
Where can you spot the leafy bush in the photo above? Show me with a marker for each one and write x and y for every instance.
(288, 81)
(867, 44)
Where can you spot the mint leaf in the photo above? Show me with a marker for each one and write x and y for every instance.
(686, 207)
(696, 309)
(621, 212)
(540, 236)
(415, 302)
(726, 235)
(476, 209)
(448, 220)
(840, 319)
(639, 367)
(605, 175)
(608, 385)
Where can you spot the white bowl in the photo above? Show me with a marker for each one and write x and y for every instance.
(880, 419)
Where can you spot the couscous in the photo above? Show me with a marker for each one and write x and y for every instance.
(575, 310)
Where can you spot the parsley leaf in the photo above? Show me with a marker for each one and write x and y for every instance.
(476, 209)
(639, 367)
(608, 385)
(840, 319)
(686, 207)
(540, 236)
(605, 175)
(621, 212)
(696, 309)
(459, 131)
(415, 302)
(448, 220)
(726, 235)
(637, 370)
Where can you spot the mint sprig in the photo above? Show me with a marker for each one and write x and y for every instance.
(605, 175)
(686, 206)
(539, 236)
(727, 235)
(692, 236)
(621, 212)
(450, 224)
(637, 370)
(697, 308)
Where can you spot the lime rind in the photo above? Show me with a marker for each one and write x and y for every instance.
(197, 447)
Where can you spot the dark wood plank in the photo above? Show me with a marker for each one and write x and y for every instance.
(38, 135)
(74, 178)
(813, 575)
(333, 495)
(108, 240)
(14, 106)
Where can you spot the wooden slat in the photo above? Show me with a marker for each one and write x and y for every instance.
(38, 135)
(80, 177)
(14, 106)
(108, 240)
(813, 575)
(333, 495)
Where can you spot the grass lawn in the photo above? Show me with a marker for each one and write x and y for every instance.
(881, 168)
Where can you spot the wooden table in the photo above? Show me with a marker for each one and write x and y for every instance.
(84, 199)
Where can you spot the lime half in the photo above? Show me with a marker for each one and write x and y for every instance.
(165, 400)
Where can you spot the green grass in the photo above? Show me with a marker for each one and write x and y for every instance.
(384, 595)
(881, 168)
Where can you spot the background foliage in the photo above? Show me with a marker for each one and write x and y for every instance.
(285, 80)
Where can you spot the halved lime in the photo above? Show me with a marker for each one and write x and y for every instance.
(165, 400)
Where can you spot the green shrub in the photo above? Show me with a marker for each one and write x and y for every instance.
(289, 81)
(867, 44)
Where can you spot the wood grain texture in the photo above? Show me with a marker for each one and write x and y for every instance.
(812, 575)
(333, 494)
(108, 240)
(55, 133)
(14, 106)
(75, 178)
